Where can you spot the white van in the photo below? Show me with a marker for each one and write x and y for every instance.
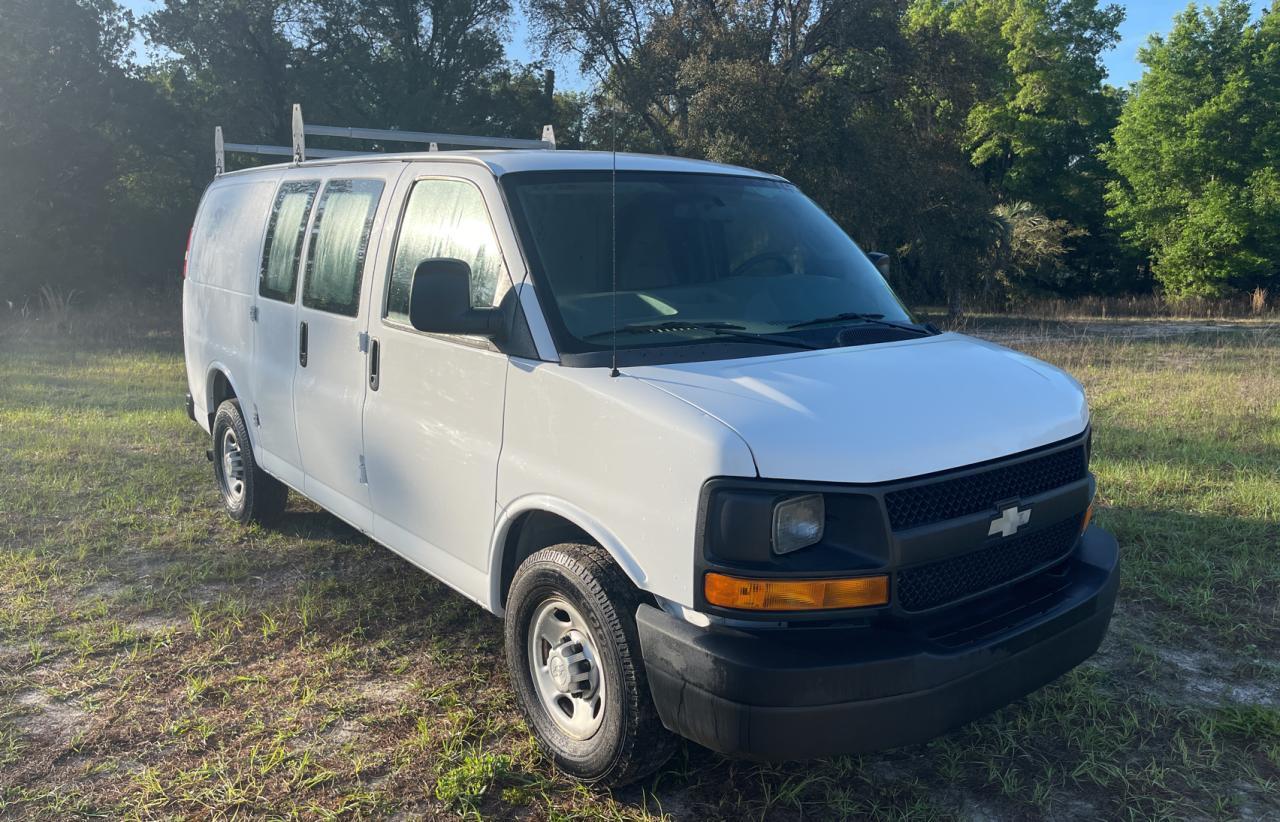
(666, 419)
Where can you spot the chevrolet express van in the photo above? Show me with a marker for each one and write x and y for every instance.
(667, 420)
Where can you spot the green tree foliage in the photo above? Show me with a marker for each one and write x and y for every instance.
(412, 64)
(909, 121)
(61, 87)
(109, 157)
(405, 63)
(1040, 109)
(1197, 152)
(969, 138)
(1041, 112)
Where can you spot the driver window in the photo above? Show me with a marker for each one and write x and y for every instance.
(444, 218)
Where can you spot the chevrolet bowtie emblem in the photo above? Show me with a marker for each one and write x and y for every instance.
(1009, 521)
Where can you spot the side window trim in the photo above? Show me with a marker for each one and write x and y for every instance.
(384, 315)
(314, 226)
(303, 237)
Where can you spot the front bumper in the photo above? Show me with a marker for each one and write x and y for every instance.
(797, 693)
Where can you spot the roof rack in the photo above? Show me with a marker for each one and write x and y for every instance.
(299, 151)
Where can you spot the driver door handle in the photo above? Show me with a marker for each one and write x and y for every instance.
(302, 344)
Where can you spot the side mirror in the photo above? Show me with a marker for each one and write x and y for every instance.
(440, 301)
(880, 261)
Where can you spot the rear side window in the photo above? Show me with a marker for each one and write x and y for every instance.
(444, 218)
(227, 237)
(283, 248)
(339, 243)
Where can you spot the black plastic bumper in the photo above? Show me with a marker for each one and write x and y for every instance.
(191, 407)
(797, 693)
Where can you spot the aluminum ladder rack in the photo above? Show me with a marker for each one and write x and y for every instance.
(301, 130)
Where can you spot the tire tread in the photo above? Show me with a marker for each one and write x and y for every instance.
(265, 496)
(646, 744)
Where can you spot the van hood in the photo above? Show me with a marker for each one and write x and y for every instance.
(882, 412)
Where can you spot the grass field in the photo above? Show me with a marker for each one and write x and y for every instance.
(156, 661)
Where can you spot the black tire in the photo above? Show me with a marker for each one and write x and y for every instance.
(631, 742)
(262, 497)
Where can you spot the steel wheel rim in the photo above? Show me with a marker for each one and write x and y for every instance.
(565, 667)
(231, 462)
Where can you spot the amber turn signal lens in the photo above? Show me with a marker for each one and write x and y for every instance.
(1088, 517)
(795, 594)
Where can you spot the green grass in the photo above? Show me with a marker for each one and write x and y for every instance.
(156, 660)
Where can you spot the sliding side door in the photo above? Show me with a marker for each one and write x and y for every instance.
(329, 383)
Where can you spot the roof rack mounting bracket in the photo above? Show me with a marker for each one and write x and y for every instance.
(299, 135)
(219, 153)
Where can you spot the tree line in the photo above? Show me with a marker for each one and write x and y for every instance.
(975, 141)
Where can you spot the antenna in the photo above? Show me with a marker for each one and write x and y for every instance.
(613, 233)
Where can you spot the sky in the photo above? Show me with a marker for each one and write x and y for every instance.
(1142, 19)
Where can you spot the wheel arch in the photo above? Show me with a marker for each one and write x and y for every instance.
(220, 386)
(535, 522)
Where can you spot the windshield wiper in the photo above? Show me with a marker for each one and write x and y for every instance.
(856, 316)
(725, 329)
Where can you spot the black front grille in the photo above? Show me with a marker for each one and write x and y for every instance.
(956, 497)
(938, 583)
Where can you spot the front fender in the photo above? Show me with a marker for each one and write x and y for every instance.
(568, 511)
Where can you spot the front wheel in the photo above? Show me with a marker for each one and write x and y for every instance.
(249, 494)
(573, 654)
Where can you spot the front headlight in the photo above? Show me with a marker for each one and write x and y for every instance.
(798, 523)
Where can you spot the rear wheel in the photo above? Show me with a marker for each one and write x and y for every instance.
(249, 494)
(574, 659)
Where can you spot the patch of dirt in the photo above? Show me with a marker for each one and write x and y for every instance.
(1253, 804)
(158, 624)
(106, 589)
(975, 810)
(342, 732)
(51, 719)
(7, 649)
(1205, 678)
(384, 692)
(1194, 676)
(1076, 808)
(274, 580)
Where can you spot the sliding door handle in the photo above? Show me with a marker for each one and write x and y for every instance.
(375, 370)
(302, 344)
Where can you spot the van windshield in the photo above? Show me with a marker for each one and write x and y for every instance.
(699, 257)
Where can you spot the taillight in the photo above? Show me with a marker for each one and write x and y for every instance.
(186, 258)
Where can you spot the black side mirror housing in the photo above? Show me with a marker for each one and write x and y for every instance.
(440, 301)
(881, 261)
